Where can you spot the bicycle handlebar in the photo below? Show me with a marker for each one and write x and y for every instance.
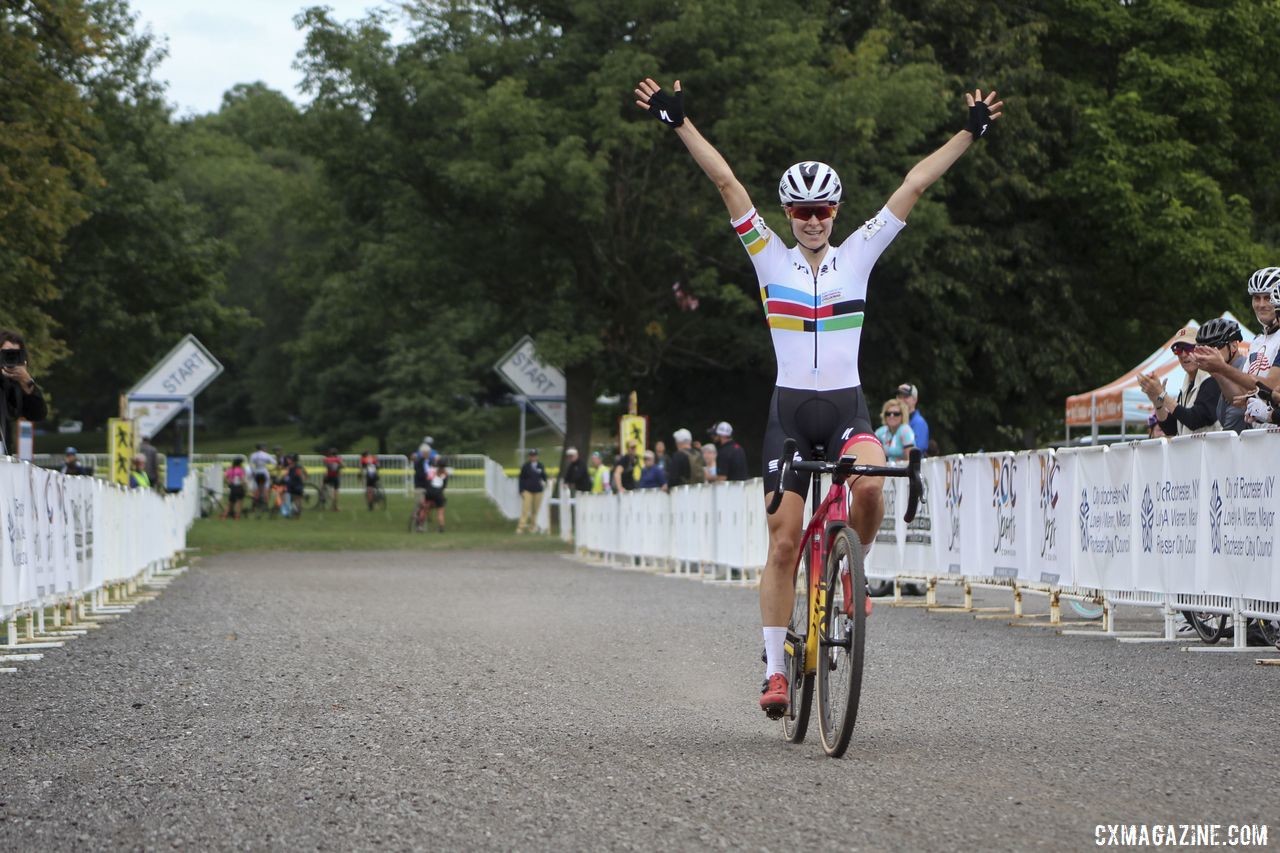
(845, 468)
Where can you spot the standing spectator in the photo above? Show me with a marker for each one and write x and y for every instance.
(660, 454)
(709, 462)
(687, 466)
(1263, 364)
(575, 477)
(599, 475)
(22, 396)
(1196, 406)
(731, 464)
(652, 477)
(138, 478)
(626, 469)
(148, 450)
(895, 435)
(369, 467)
(437, 479)
(1219, 339)
(533, 479)
(332, 476)
(294, 480)
(427, 449)
(910, 395)
(260, 463)
(71, 463)
(237, 478)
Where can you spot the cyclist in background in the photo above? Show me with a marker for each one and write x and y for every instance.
(369, 466)
(294, 479)
(437, 480)
(332, 476)
(260, 462)
(814, 297)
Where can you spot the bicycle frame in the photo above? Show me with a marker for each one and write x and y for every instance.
(828, 516)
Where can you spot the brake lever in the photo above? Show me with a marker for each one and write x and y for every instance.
(915, 488)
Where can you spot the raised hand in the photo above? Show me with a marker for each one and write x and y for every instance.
(982, 111)
(666, 108)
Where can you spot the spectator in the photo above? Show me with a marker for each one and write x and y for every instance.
(731, 464)
(148, 450)
(260, 463)
(237, 478)
(599, 475)
(71, 463)
(294, 479)
(437, 479)
(369, 467)
(626, 469)
(910, 395)
(575, 477)
(138, 478)
(687, 466)
(1219, 340)
(1153, 427)
(652, 477)
(1264, 352)
(427, 449)
(533, 479)
(709, 462)
(660, 454)
(895, 435)
(332, 476)
(1196, 406)
(22, 396)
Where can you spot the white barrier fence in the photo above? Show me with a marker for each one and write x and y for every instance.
(67, 537)
(1181, 524)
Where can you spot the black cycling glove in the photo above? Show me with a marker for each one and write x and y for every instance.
(979, 119)
(668, 109)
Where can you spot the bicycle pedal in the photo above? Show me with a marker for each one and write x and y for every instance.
(775, 713)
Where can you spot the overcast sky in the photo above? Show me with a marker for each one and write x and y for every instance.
(214, 45)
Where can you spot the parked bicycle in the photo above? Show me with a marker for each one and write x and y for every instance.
(825, 645)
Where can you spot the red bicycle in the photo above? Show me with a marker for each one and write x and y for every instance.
(826, 638)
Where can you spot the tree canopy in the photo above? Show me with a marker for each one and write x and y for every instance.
(362, 259)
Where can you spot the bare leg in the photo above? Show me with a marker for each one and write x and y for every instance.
(867, 502)
(777, 587)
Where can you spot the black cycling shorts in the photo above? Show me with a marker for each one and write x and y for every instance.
(829, 418)
(435, 496)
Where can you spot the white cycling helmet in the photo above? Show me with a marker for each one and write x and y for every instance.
(1264, 280)
(809, 182)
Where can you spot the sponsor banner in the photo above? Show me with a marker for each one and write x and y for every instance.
(41, 531)
(917, 540)
(886, 556)
(1238, 523)
(1166, 491)
(1047, 510)
(1103, 491)
(1001, 540)
(946, 476)
(16, 582)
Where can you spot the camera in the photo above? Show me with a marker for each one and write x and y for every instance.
(13, 357)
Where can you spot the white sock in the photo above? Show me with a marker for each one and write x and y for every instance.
(866, 552)
(774, 654)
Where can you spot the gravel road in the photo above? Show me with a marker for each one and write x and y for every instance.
(344, 701)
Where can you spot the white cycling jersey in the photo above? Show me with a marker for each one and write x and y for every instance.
(816, 320)
(1263, 353)
(260, 460)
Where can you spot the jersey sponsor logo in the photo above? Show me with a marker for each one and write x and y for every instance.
(829, 295)
(872, 227)
(667, 118)
(773, 466)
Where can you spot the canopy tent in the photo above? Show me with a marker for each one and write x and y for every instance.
(1121, 401)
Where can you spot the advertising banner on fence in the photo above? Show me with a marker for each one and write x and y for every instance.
(917, 541)
(1166, 493)
(886, 557)
(1103, 485)
(1001, 540)
(1048, 514)
(1238, 521)
(948, 511)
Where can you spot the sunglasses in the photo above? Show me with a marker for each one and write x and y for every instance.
(1180, 348)
(804, 212)
(893, 414)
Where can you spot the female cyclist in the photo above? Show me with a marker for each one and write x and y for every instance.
(814, 295)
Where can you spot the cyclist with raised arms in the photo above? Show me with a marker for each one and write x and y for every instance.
(814, 296)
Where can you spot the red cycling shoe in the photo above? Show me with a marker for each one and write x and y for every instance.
(775, 701)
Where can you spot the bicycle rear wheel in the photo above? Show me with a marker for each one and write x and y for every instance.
(311, 497)
(1210, 626)
(842, 625)
(796, 721)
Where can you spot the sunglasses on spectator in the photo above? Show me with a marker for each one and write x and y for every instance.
(1180, 348)
(893, 414)
(803, 212)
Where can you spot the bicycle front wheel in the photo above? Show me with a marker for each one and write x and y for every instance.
(1211, 627)
(311, 496)
(796, 721)
(842, 624)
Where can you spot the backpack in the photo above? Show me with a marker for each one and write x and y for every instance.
(697, 466)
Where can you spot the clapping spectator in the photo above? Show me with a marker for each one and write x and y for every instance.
(1218, 342)
(652, 477)
(910, 395)
(896, 436)
(1196, 407)
(731, 464)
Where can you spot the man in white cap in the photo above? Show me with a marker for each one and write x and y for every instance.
(574, 475)
(731, 459)
(687, 466)
(910, 395)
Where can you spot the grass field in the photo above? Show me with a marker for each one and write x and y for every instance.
(471, 522)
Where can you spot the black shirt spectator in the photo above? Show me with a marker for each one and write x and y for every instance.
(678, 472)
(22, 397)
(731, 461)
(533, 476)
(575, 474)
